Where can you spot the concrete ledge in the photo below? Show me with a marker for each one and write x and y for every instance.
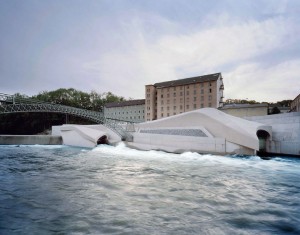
(30, 139)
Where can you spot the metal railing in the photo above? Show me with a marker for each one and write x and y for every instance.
(13, 104)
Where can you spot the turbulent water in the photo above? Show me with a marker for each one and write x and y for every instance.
(116, 190)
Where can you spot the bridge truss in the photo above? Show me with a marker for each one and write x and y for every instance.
(13, 104)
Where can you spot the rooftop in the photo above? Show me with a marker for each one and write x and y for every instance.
(240, 106)
(187, 81)
(125, 103)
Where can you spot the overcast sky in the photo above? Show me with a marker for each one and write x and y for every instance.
(122, 45)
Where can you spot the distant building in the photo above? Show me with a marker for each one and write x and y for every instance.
(245, 110)
(295, 105)
(132, 110)
(178, 96)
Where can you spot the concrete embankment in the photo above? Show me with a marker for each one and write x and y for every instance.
(30, 140)
(285, 132)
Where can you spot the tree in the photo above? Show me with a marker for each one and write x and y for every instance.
(275, 110)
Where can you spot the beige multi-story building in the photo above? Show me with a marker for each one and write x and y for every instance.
(295, 105)
(174, 97)
(131, 110)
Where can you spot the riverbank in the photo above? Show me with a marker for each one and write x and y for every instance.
(30, 140)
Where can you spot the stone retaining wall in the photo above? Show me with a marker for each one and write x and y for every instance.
(30, 140)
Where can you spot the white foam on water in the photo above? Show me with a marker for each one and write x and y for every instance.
(121, 150)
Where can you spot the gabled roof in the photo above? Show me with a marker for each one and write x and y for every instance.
(125, 103)
(187, 81)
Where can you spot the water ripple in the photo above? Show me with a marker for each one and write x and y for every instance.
(116, 190)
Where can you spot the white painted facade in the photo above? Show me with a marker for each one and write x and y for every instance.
(127, 111)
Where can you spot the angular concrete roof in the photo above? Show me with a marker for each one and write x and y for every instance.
(187, 81)
(219, 124)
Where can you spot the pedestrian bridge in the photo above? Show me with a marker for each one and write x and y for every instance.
(14, 104)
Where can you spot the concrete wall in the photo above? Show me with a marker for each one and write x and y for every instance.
(30, 140)
(285, 132)
(180, 144)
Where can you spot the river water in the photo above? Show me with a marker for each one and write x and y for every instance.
(117, 190)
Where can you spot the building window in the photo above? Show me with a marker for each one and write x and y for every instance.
(168, 114)
(195, 106)
(209, 104)
(162, 108)
(174, 113)
(195, 98)
(168, 108)
(209, 97)
(195, 92)
(202, 91)
(180, 107)
(180, 100)
(174, 108)
(174, 88)
(202, 105)
(181, 88)
(187, 87)
(202, 84)
(202, 98)
(209, 84)
(168, 89)
(187, 92)
(168, 101)
(187, 106)
(162, 115)
(181, 93)
(174, 94)
(162, 96)
(210, 90)
(168, 95)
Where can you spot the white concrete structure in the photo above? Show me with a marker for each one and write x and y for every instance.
(85, 135)
(285, 132)
(205, 130)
